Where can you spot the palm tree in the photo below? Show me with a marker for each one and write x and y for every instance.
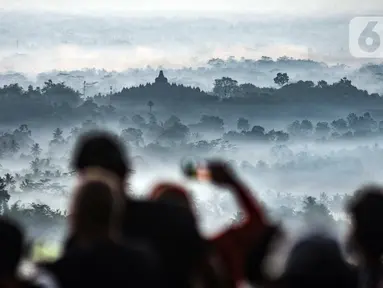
(36, 150)
(15, 146)
(26, 184)
(57, 137)
(4, 196)
(150, 105)
(35, 164)
(57, 173)
(9, 179)
(24, 128)
(57, 134)
(48, 173)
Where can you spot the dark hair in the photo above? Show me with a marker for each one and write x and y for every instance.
(11, 245)
(366, 210)
(93, 207)
(101, 149)
(172, 194)
(317, 261)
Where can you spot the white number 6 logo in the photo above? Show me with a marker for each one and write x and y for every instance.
(368, 33)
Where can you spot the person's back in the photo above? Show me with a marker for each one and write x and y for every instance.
(163, 230)
(97, 258)
(366, 237)
(317, 261)
(168, 231)
(171, 231)
(11, 250)
(105, 264)
(209, 271)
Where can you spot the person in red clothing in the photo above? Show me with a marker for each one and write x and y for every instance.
(229, 248)
(234, 243)
(173, 194)
(209, 272)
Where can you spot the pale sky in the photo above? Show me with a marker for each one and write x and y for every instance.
(260, 6)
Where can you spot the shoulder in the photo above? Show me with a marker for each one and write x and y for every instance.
(170, 225)
(154, 212)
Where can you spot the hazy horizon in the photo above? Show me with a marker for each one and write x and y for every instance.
(37, 42)
(296, 7)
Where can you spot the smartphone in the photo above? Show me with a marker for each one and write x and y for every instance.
(197, 169)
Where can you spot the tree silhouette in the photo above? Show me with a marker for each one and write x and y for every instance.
(60, 93)
(294, 128)
(314, 211)
(150, 105)
(4, 196)
(322, 84)
(322, 129)
(35, 164)
(138, 120)
(36, 150)
(257, 133)
(306, 126)
(177, 132)
(340, 125)
(57, 136)
(281, 79)
(345, 82)
(225, 87)
(243, 124)
(132, 136)
(24, 128)
(171, 121)
(9, 179)
(14, 146)
(213, 123)
(152, 120)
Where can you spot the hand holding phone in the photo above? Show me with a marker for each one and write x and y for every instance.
(219, 172)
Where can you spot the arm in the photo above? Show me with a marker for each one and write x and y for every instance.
(255, 217)
(253, 210)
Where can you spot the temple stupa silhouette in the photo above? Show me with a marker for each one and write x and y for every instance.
(161, 78)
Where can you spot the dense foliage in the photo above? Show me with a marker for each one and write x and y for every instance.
(60, 103)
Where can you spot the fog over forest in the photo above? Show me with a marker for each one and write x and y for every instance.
(302, 125)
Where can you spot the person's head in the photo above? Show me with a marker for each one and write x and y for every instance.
(12, 246)
(96, 212)
(103, 150)
(172, 194)
(316, 261)
(366, 211)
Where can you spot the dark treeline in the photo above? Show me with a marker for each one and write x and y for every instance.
(228, 99)
(42, 220)
(170, 139)
(205, 136)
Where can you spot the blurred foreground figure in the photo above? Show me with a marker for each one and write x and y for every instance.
(172, 194)
(166, 232)
(98, 259)
(203, 274)
(11, 250)
(226, 253)
(366, 237)
(95, 214)
(316, 261)
(233, 244)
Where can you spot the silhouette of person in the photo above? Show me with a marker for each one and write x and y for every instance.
(165, 230)
(100, 258)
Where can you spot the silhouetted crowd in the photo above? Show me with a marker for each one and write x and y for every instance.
(116, 241)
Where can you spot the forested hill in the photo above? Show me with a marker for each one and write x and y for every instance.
(228, 99)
